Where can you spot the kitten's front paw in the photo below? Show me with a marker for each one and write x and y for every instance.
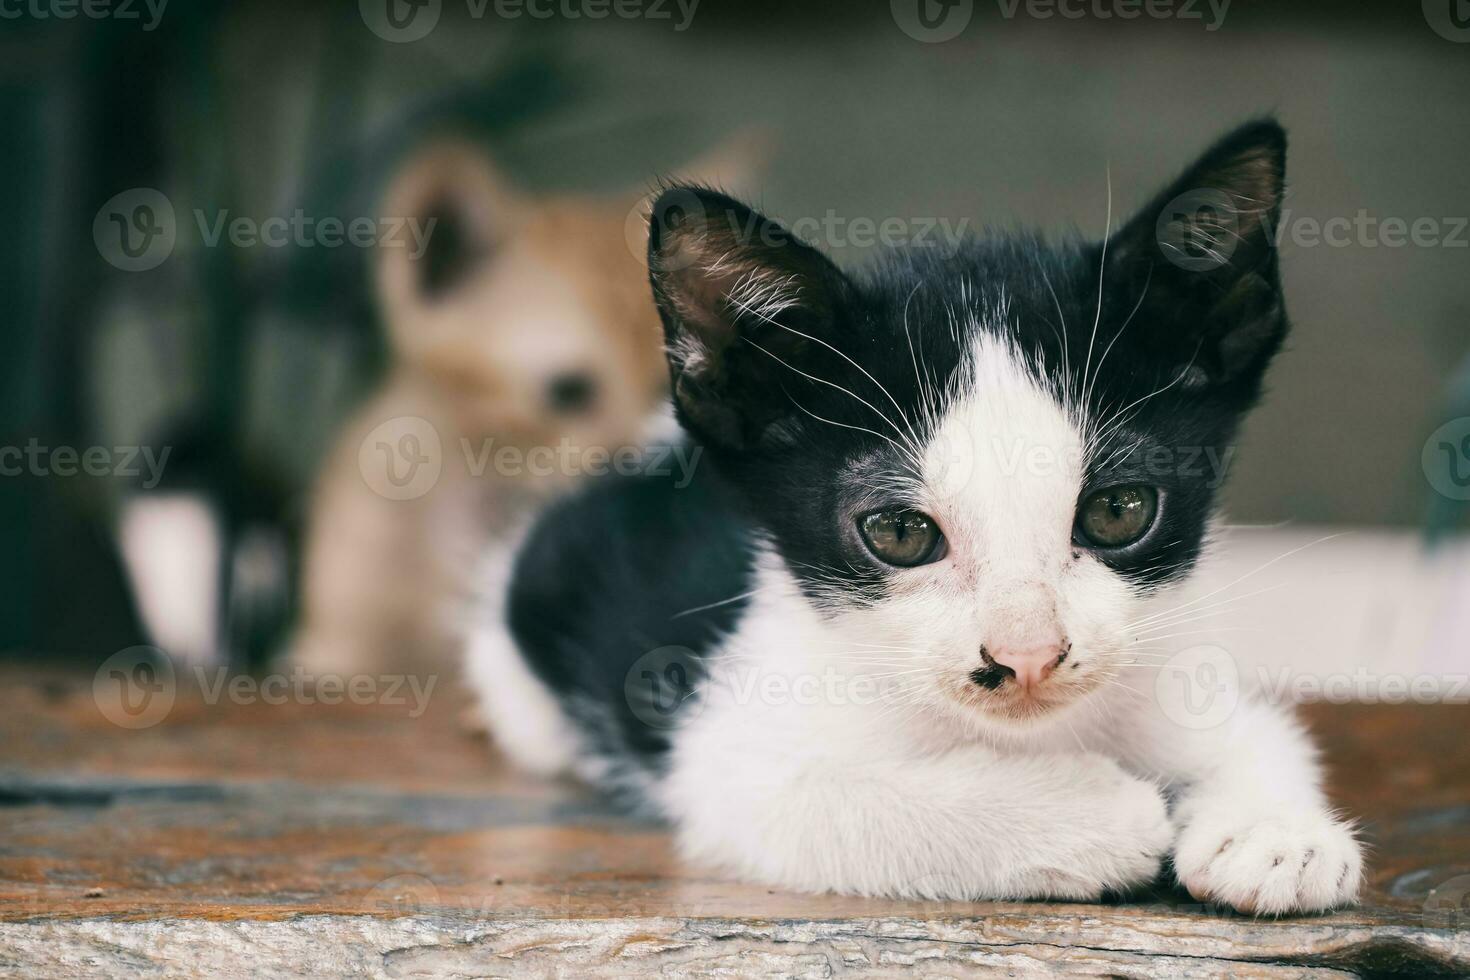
(1291, 862)
(1127, 836)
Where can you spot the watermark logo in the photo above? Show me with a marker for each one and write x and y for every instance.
(1450, 19)
(568, 459)
(660, 686)
(299, 687)
(402, 458)
(1199, 687)
(135, 688)
(681, 207)
(678, 208)
(667, 686)
(1198, 230)
(1446, 459)
(932, 21)
(400, 21)
(135, 230)
(1208, 465)
(1447, 905)
(949, 460)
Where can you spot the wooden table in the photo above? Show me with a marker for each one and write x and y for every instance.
(304, 839)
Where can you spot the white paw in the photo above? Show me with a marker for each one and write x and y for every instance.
(1139, 832)
(1124, 836)
(1290, 862)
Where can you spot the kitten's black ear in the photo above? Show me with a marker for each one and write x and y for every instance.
(746, 309)
(1199, 263)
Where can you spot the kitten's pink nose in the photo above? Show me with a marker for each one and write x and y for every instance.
(1029, 665)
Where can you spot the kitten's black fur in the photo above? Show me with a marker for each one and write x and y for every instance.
(1173, 339)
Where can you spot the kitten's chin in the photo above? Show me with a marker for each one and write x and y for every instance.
(1010, 708)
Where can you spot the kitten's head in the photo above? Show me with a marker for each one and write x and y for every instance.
(989, 457)
(526, 313)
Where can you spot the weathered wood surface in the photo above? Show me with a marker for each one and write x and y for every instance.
(275, 840)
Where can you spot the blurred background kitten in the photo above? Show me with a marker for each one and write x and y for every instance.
(526, 322)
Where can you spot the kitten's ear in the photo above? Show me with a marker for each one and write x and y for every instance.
(1199, 263)
(463, 210)
(746, 309)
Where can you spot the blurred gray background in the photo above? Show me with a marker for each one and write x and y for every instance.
(1020, 122)
(1017, 120)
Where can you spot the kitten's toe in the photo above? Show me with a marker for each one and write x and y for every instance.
(1273, 866)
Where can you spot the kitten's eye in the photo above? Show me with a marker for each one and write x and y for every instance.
(1118, 516)
(902, 537)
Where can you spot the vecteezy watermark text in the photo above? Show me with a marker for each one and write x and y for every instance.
(300, 687)
(405, 21)
(567, 459)
(304, 231)
(956, 455)
(130, 462)
(137, 230)
(1367, 230)
(90, 9)
(1216, 10)
(661, 686)
(681, 12)
(136, 688)
(936, 21)
(403, 458)
(1284, 685)
(829, 229)
(1200, 229)
(1201, 686)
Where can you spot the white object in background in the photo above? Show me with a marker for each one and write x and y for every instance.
(1371, 610)
(171, 545)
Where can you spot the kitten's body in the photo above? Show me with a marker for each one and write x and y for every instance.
(809, 714)
(519, 295)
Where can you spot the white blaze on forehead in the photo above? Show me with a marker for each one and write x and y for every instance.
(1005, 466)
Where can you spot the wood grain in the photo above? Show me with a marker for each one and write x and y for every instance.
(338, 840)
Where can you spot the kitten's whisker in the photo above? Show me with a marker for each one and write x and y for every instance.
(1182, 614)
(1183, 373)
(909, 450)
(1068, 402)
(1102, 267)
(844, 425)
(721, 602)
(1109, 349)
(1204, 632)
(906, 434)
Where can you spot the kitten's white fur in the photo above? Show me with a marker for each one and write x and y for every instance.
(519, 711)
(936, 789)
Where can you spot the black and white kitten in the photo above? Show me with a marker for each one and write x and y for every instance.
(898, 611)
